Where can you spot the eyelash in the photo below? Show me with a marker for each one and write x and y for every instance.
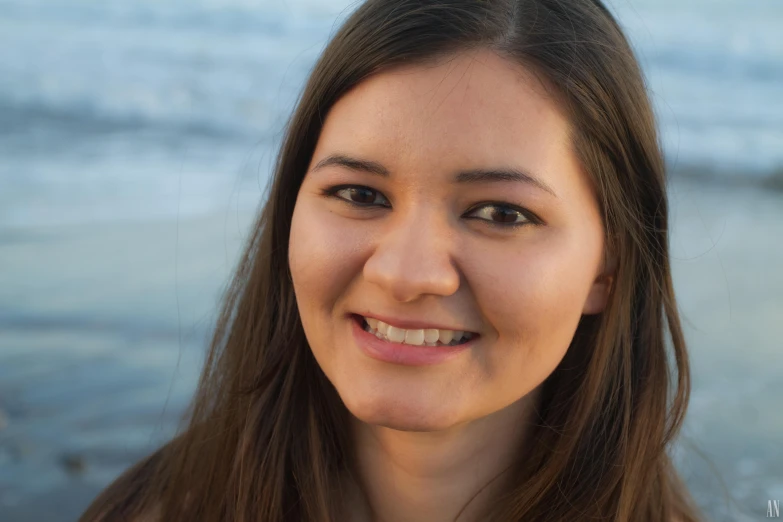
(531, 218)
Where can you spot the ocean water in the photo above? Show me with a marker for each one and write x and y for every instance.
(136, 139)
(119, 110)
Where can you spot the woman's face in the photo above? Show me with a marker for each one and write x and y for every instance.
(444, 198)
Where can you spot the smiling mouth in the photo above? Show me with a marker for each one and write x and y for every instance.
(413, 337)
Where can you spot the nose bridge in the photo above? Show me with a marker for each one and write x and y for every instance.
(414, 254)
(423, 231)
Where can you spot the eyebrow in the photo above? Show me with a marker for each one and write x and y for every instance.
(470, 176)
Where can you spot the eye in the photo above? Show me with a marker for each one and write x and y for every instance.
(358, 195)
(502, 215)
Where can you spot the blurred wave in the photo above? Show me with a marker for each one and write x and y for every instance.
(160, 113)
(110, 110)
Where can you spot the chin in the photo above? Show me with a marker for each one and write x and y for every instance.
(403, 415)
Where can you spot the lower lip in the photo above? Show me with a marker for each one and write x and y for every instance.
(404, 354)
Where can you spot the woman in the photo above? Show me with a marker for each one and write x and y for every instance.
(457, 301)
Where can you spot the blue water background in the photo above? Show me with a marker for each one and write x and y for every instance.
(126, 127)
(105, 104)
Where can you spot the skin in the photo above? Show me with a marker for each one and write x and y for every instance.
(429, 437)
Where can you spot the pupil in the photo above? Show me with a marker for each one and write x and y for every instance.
(362, 195)
(506, 215)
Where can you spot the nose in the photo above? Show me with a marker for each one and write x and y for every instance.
(413, 258)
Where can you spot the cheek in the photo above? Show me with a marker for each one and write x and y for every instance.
(534, 297)
(322, 256)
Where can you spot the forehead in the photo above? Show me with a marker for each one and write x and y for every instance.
(468, 110)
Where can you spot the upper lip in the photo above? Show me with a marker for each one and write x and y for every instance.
(413, 324)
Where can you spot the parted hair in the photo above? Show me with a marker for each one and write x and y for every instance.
(266, 437)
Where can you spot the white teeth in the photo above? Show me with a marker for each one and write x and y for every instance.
(383, 328)
(431, 335)
(425, 337)
(414, 337)
(446, 336)
(395, 335)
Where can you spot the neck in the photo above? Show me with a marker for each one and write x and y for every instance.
(442, 476)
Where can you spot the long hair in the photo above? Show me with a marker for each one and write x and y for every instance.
(266, 437)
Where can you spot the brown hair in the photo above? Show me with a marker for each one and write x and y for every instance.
(266, 437)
